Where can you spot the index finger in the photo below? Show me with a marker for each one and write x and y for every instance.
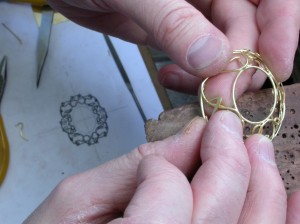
(163, 195)
(279, 23)
(175, 26)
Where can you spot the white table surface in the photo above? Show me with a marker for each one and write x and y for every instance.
(78, 62)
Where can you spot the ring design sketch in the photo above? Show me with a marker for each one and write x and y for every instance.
(92, 119)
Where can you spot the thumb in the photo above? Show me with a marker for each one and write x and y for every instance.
(181, 31)
(174, 26)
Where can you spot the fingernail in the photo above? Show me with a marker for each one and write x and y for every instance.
(265, 150)
(231, 123)
(204, 52)
(170, 80)
(190, 126)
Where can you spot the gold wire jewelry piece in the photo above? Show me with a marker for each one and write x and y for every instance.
(250, 60)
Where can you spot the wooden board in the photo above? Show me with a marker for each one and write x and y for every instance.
(286, 144)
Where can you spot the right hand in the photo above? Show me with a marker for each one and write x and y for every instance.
(199, 35)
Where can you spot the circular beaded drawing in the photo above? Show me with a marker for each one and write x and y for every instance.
(83, 119)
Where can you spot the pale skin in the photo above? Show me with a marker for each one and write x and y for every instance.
(269, 27)
(238, 181)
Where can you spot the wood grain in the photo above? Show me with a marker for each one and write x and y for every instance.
(255, 105)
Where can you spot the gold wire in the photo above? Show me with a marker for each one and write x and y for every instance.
(21, 132)
(249, 60)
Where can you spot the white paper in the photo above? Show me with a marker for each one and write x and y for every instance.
(78, 62)
(139, 77)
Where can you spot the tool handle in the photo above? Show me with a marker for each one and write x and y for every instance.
(33, 2)
(4, 151)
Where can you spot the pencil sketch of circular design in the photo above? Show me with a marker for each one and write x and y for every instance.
(83, 119)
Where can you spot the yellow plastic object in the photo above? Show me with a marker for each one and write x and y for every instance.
(58, 18)
(32, 2)
(37, 6)
(4, 151)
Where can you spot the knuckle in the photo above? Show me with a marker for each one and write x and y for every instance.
(145, 149)
(242, 168)
(65, 187)
(239, 165)
(173, 24)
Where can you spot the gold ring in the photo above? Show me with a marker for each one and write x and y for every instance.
(250, 60)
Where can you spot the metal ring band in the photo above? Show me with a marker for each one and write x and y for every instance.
(250, 60)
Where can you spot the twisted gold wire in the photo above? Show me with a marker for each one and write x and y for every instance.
(249, 60)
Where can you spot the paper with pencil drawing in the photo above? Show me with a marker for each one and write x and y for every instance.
(80, 116)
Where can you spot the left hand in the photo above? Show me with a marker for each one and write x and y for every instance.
(237, 183)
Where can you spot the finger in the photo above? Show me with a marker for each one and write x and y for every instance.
(237, 19)
(184, 34)
(293, 208)
(204, 6)
(279, 22)
(221, 183)
(177, 28)
(238, 22)
(117, 179)
(118, 26)
(255, 2)
(175, 78)
(266, 196)
(163, 195)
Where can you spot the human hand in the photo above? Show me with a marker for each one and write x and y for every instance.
(236, 183)
(199, 35)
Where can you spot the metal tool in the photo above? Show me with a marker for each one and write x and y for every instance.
(43, 40)
(44, 33)
(124, 75)
(4, 147)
